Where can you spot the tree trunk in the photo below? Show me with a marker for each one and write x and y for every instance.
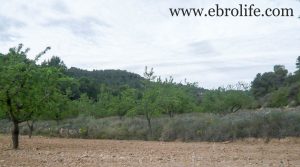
(30, 127)
(15, 128)
(121, 117)
(171, 114)
(149, 124)
(15, 135)
(57, 118)
(235, 108)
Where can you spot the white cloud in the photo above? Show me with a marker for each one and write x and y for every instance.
(131, 34)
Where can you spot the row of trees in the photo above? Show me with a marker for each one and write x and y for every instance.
(30, 91)
(154, 98)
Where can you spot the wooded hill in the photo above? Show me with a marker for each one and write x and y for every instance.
(113, 78)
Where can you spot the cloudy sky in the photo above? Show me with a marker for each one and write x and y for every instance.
(132, 34)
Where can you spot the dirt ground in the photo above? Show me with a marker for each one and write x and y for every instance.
(42, 151)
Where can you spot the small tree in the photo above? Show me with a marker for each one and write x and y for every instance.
(175, 98)
(147, 104)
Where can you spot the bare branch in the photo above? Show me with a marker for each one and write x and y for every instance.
(37, 57)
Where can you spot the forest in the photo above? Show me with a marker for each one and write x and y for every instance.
(50, 99)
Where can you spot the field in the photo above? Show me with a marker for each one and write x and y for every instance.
(42, 151)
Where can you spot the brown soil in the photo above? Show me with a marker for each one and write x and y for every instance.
(42, 151)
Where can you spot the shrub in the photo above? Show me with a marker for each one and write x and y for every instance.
(264, 123)
(279, 98)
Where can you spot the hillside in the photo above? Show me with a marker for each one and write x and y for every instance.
(108, 77)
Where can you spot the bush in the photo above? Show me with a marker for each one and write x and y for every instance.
(279, 98)
(186, 127)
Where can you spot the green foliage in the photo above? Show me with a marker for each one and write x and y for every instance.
(279, 98)
(124, 102)
(24, 87)
(175, 99)
(82, 106)
(269, 81)
(278, 88)
(147, 104)
(226, 101)
(51, 91)
(114, 78)
(69, 87)
(2, 113)
(20, 79)
(88, 87)
(55, 62)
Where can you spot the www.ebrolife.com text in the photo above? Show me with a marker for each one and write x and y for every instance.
(242, 10)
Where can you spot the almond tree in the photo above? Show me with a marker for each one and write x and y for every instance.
(147, 103)
(24, 86)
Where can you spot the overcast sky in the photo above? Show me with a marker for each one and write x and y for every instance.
(132, 34)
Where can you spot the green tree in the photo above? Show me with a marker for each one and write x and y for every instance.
(298, 63)
(22, 84)
(174, 98)
(269, 81)
(55, 62)
(57, 107)
(69, 87)
(124, 102)
(89, 87)
(83, 106)
(147, 103)
(104, 102)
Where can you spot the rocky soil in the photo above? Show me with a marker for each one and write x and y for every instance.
(42, 151)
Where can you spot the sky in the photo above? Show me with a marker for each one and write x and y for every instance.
(132, 34)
